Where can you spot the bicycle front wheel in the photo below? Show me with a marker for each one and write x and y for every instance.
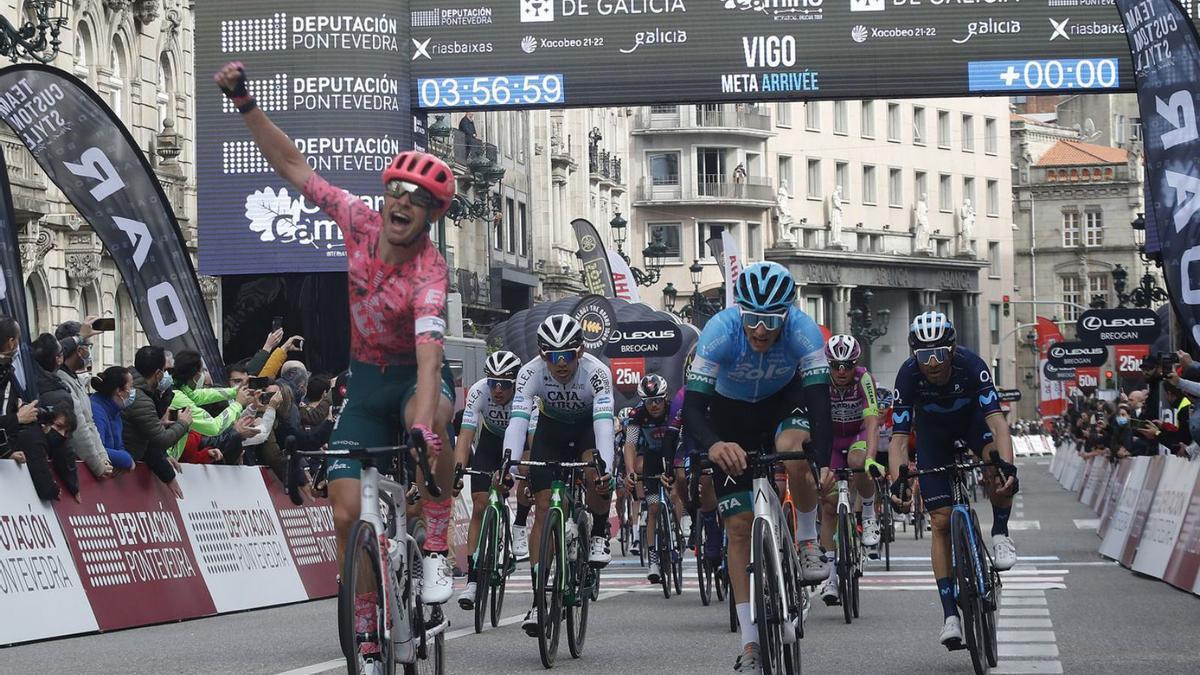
(845, 568)
(703, 571)
(581, 595)
(548, 593)
(485, 563)
(768, 604)
(366, 642)
(505, 566)
(430, 648)
(968, 591)
(663, 537)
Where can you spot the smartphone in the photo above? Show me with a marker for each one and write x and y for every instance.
(276, 323)
(1137, 423)
(299, 345)
(265, 398)
(258, 382)
(173, 414)
(105, 324)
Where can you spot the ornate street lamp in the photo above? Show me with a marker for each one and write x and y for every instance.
(652, 254)
(863, 326)
(698, 304)
(1146, 294)
(29, 41)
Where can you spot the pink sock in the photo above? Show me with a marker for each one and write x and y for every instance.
(437, 526)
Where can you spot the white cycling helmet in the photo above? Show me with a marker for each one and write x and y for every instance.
(559, 332)
(842, 348)
(502, 365)
(931, 329)
(652, 385)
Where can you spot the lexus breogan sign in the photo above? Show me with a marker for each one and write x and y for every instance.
(1125, 326)
(521, 53)
(1077, 355)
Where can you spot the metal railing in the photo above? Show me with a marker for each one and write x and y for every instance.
(736, 115)
(752, 187)
(464, 147)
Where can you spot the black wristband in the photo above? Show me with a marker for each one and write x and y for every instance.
(246, 107)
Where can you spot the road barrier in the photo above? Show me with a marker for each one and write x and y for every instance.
(1149, 510)
(131, 554)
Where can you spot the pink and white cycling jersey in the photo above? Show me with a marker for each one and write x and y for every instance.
(393, 308)
(852, 404)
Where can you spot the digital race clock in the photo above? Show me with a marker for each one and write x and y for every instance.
(1049, 74)
(495, 90)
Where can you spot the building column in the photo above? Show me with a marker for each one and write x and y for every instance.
(968, 321)
(840, 307)
(927, 299)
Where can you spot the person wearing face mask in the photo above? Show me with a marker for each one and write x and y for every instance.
(73, 357)
(190, 394)
(113, 393)
(147, 434)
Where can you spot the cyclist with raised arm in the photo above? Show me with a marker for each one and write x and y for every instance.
(758, 365)
(649, 456)
(855, 442)
(485, 419)
(398, 283)
(945, 393)
(575, 421)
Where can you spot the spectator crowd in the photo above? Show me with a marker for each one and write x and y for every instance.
(1150, 421)
(162, 410)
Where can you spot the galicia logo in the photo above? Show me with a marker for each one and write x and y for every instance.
(657, 36)
(990, 26)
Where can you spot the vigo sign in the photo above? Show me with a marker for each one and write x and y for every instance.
(1125, 326)
(1077, 355)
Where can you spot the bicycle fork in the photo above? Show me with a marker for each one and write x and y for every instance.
(766, 509)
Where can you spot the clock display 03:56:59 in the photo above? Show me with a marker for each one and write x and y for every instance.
(495, 90)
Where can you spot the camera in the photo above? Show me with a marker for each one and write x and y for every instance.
(45, 415)
(1168, 358)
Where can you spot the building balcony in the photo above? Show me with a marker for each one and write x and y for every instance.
(604, 167)
(459, 149)
(736, 118)
(755, 191)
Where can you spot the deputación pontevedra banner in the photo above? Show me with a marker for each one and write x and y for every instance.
(88, 153)
(1166, 68)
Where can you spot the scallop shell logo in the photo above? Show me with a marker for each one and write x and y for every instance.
(529, 44)
(859, 33)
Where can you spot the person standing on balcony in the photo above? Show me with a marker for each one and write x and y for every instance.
(467, 126)
(739, 179)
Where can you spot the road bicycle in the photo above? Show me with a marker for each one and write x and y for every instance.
(778, 596)
(976, 581)
(625, 521)
(849, 563)
(494, 561)
(564, 583)
(668, 537)
(707, 571)
(382, 561)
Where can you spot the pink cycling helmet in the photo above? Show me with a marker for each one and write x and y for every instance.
(427, 171)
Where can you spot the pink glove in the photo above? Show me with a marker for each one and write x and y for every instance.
(433, 442)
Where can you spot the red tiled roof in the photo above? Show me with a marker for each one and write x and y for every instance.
(1069, 153)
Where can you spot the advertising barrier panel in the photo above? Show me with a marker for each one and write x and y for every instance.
(1122, 516)
(1183, 569)
(1141, 510)
(41, 594)
(132, 551)
(1165, 518)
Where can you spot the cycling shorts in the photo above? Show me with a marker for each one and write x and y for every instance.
(373, 414)
(557, 441)
(841, 448)
(753, 426)
(489, 452)
(936, 435)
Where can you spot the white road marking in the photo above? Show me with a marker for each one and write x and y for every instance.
(1021, 611)
(1025, 602)
(1017, 636)
(1026, 650)
(1026, 667)
(1007, 622)
(1024, 524)
(1087, 523)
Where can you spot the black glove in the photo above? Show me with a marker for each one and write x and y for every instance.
(458, 477)
(1007, 471)
(900, 485)
(240, 94)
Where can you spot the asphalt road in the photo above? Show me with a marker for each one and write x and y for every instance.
(1065, 610)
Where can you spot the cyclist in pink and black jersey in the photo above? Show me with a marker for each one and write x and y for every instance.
(398, 285)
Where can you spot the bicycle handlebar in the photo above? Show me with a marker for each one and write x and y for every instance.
(395, 451)
(957, 466)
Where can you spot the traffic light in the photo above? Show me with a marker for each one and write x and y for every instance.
(1007, 307)
(1108, 380)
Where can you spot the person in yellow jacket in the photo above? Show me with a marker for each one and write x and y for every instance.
(190, 394)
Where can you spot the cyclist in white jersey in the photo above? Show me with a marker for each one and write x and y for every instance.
(485, 419)
(576, 419)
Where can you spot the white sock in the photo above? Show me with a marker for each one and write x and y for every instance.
(749, 630)
(868, 509)
(806, 525)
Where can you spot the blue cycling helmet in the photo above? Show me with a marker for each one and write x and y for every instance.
(765, 287)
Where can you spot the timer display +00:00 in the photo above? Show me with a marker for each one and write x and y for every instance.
(480, 92)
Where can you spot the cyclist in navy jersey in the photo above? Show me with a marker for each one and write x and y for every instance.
(945, 393)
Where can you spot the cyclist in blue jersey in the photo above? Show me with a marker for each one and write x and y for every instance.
(759, 377)
(945, 393)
